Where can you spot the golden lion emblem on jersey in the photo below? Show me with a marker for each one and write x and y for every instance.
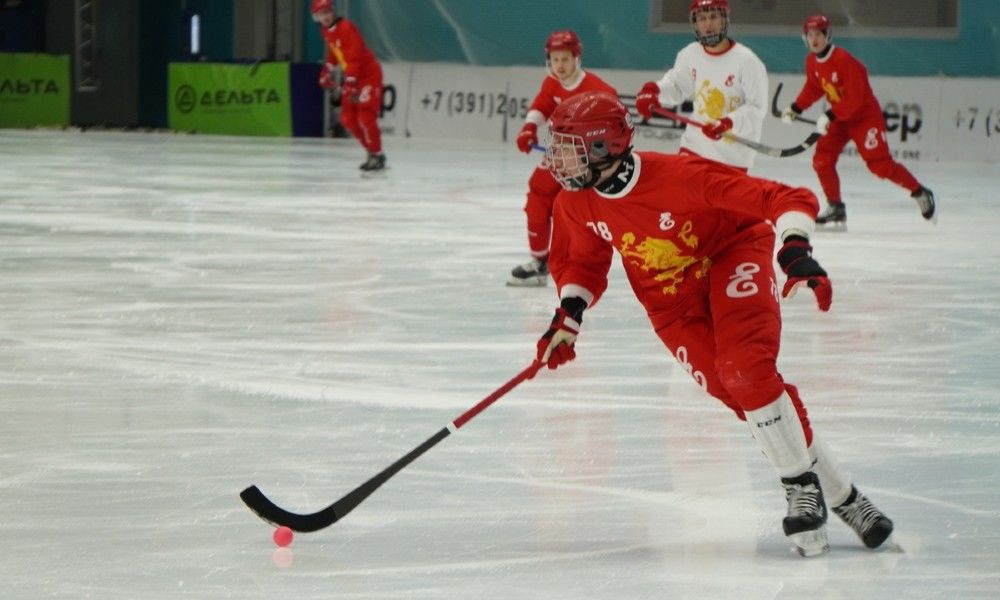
(711, 101)
(665, 257)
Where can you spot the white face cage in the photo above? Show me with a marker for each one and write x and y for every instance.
(715, 39)
(567, 160)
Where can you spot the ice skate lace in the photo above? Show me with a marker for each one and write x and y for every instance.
(802, 500)
(860, 514)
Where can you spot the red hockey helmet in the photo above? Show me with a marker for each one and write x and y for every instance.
(698, 6)
(817, 22)
(564, 40)
(319, 6)
(587, 133)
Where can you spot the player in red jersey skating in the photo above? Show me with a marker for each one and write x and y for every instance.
(854, 114)
(565, 79)
(697, 244)
(361, 85)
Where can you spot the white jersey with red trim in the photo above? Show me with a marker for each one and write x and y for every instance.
(731, 84)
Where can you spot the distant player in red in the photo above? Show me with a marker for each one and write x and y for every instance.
(697, 245)
(361, 86)
(566, 78)
(854, 114)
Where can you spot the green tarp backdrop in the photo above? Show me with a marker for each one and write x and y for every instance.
(34, 90)
(230, 99)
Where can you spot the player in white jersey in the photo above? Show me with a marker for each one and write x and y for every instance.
(725, 80)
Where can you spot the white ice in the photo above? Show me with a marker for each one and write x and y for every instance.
(183, 316)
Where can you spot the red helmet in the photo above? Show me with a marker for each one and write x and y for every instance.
(564, 40)
(321, 6)
(698, 5)
(586, 134)
(817, 22)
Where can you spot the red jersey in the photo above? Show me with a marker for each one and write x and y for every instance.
(675, 216)
(843, 80)
(347, 49)
(554, 91)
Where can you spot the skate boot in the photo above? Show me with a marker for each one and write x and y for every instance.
(925, 200)
(834, 218)
(805, 524)
(534, 273)
(868, 522)
(375, 162)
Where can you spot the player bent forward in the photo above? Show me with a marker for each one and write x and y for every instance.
(696, 246)
(854, 114)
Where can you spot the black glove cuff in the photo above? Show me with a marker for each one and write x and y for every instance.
(830, 115)
(795, 248)
(574, 305)
(795, 108)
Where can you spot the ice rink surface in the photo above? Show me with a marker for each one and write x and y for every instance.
(183, 316)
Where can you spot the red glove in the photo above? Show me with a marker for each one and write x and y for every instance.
(716, 129)
(326, 79)
(795, 258)
(556, 346)
(349, 88)
(527, 137)
(647, 99)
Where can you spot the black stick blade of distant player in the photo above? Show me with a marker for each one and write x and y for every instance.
(777, 111)
(274, 514)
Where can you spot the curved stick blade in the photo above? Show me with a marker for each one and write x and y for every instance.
(805, 145)
(274, 514)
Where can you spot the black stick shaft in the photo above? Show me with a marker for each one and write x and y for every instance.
(274, 514)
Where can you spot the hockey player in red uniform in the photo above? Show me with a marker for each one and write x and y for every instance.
(566, 78)
(697, 246)
(854, 114)
(361, 86)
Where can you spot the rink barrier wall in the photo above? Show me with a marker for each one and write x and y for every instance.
(34, 90)
(927, 119)
(230, 99)
(623, 35)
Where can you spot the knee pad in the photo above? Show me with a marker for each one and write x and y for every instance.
(348, 119)
(538, 206)
(750, 376)
(824, 162)
(882, 167)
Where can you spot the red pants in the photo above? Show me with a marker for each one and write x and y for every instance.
(728, 340)
(360, 116)
(542, 190)
(868, 133)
